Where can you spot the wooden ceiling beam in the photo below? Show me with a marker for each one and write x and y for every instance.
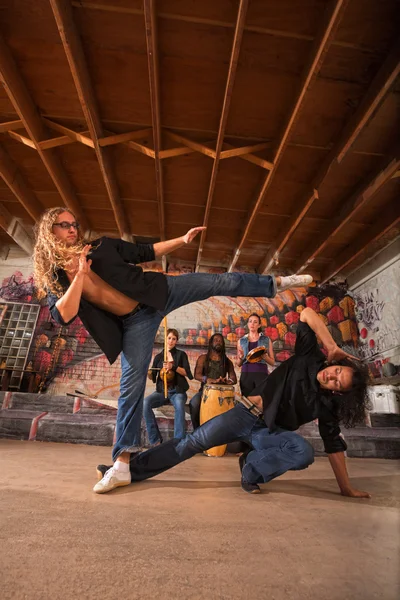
(73, 49)
(74, 135)
(119, 138)
(322, 43)
(237, 42)
(13, 227)
(390, 218)
(150, 21)
(11, 125)
(17, 184)
(64, 140)
(245, 150)
(378, 89)
(27, 111)
(22, 139)
(256, 160)
(213, 23)
(351, 130)
(196, 146)
(349, 208)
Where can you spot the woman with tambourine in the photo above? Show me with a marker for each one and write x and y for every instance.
(254, 354)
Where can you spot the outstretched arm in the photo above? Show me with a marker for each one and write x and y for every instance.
(338, 464)
(309, 316)
(162, 248)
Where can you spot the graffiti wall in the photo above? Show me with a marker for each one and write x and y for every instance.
(67, 358)
(378, 314)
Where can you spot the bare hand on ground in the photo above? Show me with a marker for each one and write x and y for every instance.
(352, 493)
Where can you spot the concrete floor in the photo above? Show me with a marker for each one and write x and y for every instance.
(192, 532)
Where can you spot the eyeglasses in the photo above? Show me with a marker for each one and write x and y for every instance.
(67, 225)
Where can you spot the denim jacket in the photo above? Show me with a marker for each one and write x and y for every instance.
(244, 344)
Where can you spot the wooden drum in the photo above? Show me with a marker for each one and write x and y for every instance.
(216, 399)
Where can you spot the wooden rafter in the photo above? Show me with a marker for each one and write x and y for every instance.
(279, 33)
(75, 136)
(22, 139)
(381, 84)
(349, 208)
(119, 138)
(150, 21)
(351, 130)
(237, 41)
(73, 49)
(11, 125)
(17, 184)
(321, 46)
(15, 230)
(389, 219)
(27, 111)
(196, 146)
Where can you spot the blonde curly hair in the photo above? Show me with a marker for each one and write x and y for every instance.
(50, 254)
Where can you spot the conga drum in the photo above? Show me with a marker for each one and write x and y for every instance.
(216, 399)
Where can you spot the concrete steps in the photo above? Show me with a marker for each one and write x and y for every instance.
(362, 442)
(85, 421)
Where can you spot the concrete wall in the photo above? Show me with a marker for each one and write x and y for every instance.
(376, 290)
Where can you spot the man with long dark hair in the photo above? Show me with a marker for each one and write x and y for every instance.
(122, 307)
(212, 367)
(301, 389)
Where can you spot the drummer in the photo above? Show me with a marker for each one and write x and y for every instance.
(177, 372)
(254, 362)
(212, 367)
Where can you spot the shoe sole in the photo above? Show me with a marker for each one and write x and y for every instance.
(121, 484)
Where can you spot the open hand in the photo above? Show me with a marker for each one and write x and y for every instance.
(84, 264)
(337, 353)
(352, 493)
(191, 234)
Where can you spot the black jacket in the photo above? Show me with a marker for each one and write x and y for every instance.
(180, 360)
(115, 261)
(292, 395)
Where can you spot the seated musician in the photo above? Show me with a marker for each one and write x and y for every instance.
(177, 371)
(254, 371)
(212, 367)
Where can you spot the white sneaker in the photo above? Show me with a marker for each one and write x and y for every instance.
(111, 480)
(294, 281)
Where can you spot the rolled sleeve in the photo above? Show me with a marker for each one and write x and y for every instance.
(134, 253)
(331, 436)
(55, 313)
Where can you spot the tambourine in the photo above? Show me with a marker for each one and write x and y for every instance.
(255, 355)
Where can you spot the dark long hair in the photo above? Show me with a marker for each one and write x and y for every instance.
(354, 403)
(223, 360)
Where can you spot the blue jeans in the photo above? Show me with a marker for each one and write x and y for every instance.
(140, 330)
(178, 401)
(272, 454)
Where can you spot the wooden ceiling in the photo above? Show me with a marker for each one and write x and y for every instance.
(273, 122)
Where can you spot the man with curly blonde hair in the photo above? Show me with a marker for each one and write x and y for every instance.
(122, 307)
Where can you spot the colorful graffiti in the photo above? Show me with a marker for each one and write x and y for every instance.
(67, 353)
(17, 289)
(376, 308)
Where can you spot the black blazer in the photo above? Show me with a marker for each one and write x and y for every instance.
(115, 261)
(180, 360)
